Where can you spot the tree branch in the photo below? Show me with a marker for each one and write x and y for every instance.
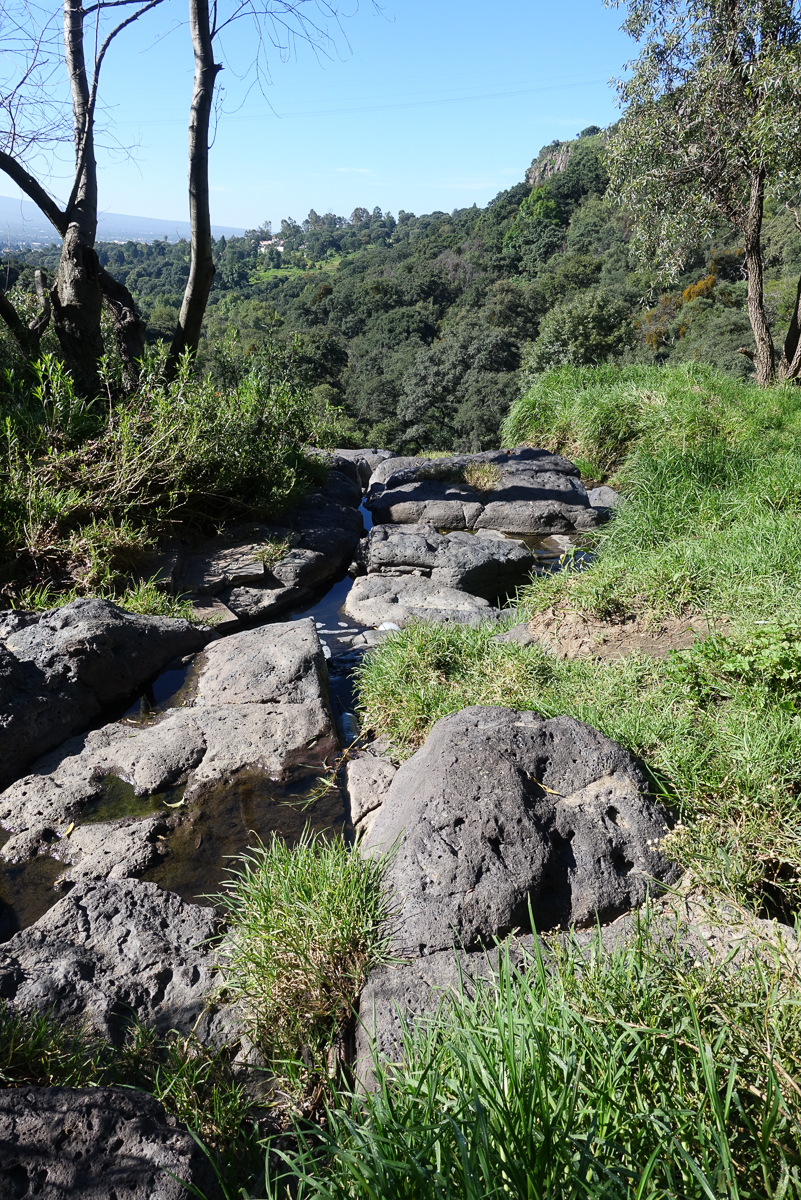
(34, 190)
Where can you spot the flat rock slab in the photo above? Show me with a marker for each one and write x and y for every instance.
(375, 599)
(533, 492)
(112, 951)
(59, 671)
(485, 566)
(501, 810)
(369, 777)
(96, 1143)
(260, 700)
(321, 533)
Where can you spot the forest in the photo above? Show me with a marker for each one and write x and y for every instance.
(424, 329)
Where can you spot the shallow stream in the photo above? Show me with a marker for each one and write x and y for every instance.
(208, 834)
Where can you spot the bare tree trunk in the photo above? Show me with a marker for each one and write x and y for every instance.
(77, 297)
(129, 328)
(763, 355)
(28, 337)
(202, 269)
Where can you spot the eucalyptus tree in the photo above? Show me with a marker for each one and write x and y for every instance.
(711, 122)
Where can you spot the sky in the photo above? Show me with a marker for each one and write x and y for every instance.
(423, 105)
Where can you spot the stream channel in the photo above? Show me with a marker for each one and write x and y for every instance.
(203, 838)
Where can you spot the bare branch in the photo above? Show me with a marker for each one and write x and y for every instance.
(34, 190)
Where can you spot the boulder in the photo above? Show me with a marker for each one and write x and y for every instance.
(604, 497)
(343, 485)
(110, 952)
(534, 492)
(259, 700)
(61, 1143)
(501, 810)
(376, 599)
(369, 777)
(321, 533)
(485, 566)
(365, 461)
(59, 672)
(256, 604)
(394, 997)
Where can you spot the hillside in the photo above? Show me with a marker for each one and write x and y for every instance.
(425, 328)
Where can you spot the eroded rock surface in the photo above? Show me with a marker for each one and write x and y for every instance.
(95, 1143)
(501, 809)
(484, 564)
(532, 492)
(112, 951)
(260, 700)
(58, 672)
(369, 777)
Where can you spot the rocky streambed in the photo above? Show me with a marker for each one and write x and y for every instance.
(140, 756)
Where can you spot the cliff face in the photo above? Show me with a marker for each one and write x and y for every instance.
(553, 159)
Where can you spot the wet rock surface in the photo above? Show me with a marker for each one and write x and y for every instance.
(259, 700)
(501, 809)
(527, 491)
(95, 1143)
(112, 951)
(59, 671)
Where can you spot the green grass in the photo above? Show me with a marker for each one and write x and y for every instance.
(306, 926)
(637, 1076)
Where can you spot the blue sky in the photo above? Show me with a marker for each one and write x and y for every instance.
(429, 104)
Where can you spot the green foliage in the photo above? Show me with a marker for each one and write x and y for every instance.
(307, 924)
(635, 1075)
(766, 660)
(591, 328)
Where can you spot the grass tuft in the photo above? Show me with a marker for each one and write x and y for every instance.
(307, 924)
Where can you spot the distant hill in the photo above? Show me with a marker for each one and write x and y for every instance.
(21, 224)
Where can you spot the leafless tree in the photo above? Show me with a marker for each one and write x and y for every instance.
(33, 119)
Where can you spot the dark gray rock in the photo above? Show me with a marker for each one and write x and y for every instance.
(534, 493)
(112, 951)
(365, 461)
(604, 497)
(14, 619)
(59, 672)
(375, 599)
(501, 810)
(369, 777)
(96, 1143)
(255, 603)
(342, 487)
(483, 566)
(260, 701)
(111, 850)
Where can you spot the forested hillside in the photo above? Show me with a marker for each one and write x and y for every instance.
(425, 329)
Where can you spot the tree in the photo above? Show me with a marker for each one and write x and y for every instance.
(588, 329)
(712, 120)
(281, 23)
(32, 122)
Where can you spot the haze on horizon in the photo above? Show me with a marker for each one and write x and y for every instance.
(419, 107)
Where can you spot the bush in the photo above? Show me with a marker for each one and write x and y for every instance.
(590, 328)
(88, 489)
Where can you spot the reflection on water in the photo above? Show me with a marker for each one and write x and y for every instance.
(217, 827)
